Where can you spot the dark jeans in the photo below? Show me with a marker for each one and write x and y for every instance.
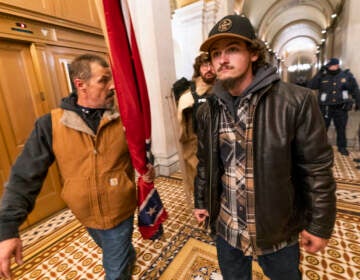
(340, 118)
(118, 252)
(281, 265)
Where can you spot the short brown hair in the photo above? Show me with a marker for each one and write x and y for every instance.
(80, 66)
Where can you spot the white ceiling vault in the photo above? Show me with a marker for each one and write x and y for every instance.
(295, 31)
(293, 28)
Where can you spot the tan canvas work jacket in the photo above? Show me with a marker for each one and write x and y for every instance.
(98, 178)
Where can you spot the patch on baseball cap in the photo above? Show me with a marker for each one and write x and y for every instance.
(231, 26)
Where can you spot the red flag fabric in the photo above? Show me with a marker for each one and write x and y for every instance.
(134, 107)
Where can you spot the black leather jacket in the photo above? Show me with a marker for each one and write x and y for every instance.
(294, 185)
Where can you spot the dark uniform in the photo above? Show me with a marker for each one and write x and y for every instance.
(338, 90)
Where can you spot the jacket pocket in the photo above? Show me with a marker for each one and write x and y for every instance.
(76, 194)
(120, 193)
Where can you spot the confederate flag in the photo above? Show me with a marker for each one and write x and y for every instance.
(134, 106)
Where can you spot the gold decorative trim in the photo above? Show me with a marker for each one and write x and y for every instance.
(51, 20)
(42, 32)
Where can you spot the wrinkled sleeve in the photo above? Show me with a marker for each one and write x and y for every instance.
(314, 163)
(26, 178)
(201, 184)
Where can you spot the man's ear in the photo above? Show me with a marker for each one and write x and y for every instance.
(254, 57)
(79, 83)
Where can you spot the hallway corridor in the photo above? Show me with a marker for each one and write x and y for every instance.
(38, 41)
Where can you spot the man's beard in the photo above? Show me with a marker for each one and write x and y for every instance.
(209, 80)
(230, 83)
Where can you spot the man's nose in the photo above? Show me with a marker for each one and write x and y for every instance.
(223, 57)
(209, 67)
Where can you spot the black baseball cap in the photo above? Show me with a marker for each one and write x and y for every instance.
(231, 26)
(333, 61)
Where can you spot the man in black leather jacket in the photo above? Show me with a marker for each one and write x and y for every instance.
(264, 175)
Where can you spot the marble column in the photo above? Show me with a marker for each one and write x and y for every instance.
(152, 23)
(352, 61)
(187, 23)
(350, 54)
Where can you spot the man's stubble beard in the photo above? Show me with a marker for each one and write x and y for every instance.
(230, 83)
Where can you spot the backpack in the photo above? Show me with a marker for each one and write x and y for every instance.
(198, 100)
(179, 87)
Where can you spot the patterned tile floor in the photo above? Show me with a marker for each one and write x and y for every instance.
(59, 248)
(345, 168)
(341, 258)
(348, 182)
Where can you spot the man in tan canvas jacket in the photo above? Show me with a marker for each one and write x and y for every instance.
(85, 137)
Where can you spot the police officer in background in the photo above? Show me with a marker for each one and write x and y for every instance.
(338, 90)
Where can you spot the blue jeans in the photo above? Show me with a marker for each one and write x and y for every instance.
(281, 265)
(118, 251)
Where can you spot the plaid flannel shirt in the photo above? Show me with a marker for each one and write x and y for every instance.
(236, 222)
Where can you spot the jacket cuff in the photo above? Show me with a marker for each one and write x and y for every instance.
(199, 205)
(320, 231)
(8, 230)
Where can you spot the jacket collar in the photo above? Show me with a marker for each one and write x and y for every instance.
(72, 120)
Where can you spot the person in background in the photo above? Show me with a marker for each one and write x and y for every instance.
(85, 137)
(202, 81)
(338, 90)
(264, 175)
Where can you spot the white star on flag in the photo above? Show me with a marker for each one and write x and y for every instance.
(151, 211)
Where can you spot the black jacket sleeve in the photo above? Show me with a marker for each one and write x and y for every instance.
(208, 186)
(354, 89)
(201, 180)
(313, 164)
(26, 178)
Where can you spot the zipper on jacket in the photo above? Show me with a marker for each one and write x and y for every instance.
(211, 164)
(99, 192)
(260, 96)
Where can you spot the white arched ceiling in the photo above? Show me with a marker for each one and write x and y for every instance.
(296, 44)
(291, 26)
(303, 54)
(269, 28)
(299, 47)
(308, 30)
